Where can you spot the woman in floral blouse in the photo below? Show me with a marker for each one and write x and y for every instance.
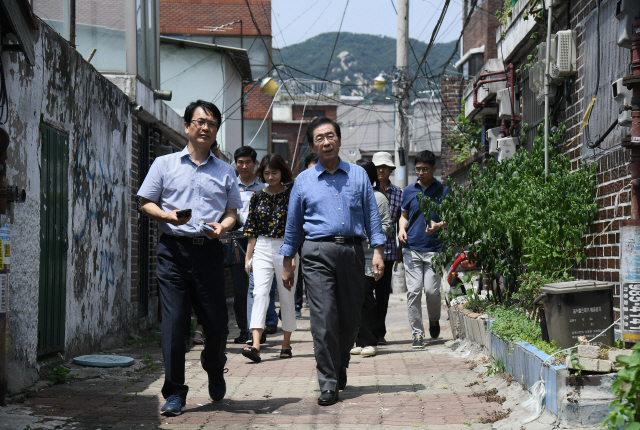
(265, 227)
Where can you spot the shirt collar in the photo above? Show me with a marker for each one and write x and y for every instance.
(185, 152)
(344, 166)
(255, 182)
(417, 184)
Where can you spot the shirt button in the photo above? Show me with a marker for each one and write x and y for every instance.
(342, 223)
(334, 180)
(339, 209)
(336, 195)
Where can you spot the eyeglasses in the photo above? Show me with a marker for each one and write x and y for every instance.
(423, 169)
(200, 123)
(329, 136)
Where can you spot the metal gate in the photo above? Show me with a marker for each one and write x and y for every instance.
(54, 202)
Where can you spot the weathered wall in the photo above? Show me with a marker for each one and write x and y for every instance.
(65, 92)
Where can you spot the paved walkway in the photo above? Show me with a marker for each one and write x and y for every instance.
(399, 388)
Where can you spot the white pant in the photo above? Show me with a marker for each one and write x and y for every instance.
(266, 262)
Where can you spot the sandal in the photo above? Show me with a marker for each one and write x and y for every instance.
(286, 353)
(252, 354)
(198, 340)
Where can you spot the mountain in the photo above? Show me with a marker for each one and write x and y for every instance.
(358, 59)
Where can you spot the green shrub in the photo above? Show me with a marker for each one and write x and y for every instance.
(512, 325)
(626, 410)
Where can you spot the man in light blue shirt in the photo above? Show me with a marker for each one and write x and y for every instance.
(190, 255)
(333, 208)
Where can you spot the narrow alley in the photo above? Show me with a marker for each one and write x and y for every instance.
(399, 387)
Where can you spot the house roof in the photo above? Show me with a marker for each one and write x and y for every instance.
(238, 56)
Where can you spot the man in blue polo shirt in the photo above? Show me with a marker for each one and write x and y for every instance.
(420, 245)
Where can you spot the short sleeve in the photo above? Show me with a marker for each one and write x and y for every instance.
(152, 185)
(250, 226)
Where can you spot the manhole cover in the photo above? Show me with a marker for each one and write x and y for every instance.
(103, 360)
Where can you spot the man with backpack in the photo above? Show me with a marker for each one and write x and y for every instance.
(420, 245)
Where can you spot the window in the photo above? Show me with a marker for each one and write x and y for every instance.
(313, 113)
(147, 42)
(472, 66)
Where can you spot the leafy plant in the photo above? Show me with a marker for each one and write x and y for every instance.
(529, 287)
(626, 410)
(149, 362)
(512, 219)
(59, 374)
(512, 325)
(496, 366)
(465, 137)
(576, 364)
(475, 302)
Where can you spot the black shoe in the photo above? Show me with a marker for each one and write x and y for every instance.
(263, 338)
(382, 341)
(217, 384)
(243, 338)
(271, 329)
(434, 329)
(342, 379)
(328, 398)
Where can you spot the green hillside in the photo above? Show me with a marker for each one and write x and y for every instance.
(358, 58)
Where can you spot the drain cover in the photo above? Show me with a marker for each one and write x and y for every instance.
(103, 360)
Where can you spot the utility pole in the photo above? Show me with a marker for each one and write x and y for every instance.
(402, 94)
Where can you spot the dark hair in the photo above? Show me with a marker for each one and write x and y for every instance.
(321, 120)
(207, 106)
(426, 157)
(310, 158)
(245, 151)
(372, 172)
(275, 161)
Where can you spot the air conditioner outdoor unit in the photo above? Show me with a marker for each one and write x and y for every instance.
(504, 104)
(622, 95)
(536, 78)
(552, 95)
(507, 147)
(493, 134)
(626, 12)
(565, 64)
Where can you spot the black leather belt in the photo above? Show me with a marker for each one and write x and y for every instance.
(197, 240)
(339, 239)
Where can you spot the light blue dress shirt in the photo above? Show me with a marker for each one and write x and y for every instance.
(338, 204)
(175, 182)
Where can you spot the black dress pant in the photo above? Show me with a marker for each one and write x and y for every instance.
(368, 333)
(383, 290)
(191, 274)
(240, 291)
(333, 276)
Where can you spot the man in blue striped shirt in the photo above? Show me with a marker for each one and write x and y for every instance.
(333, 207)
(189, 252)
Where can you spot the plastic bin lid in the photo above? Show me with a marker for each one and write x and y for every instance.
(575, 287)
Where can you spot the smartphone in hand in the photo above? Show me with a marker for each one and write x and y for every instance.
(183, 213)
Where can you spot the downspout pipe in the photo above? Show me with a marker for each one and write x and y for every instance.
(546, 91)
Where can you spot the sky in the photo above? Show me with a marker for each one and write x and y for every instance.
(294, 21)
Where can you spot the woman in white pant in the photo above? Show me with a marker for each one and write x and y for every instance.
(265, 228)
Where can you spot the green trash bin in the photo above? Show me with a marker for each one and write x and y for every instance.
(578, 308)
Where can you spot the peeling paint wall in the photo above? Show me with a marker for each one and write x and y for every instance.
(67, 93)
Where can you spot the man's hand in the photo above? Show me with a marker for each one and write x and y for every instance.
(288, 267)
(219, 230)
(377, 261)
(435, 226)
(402, 236)
(172, 218)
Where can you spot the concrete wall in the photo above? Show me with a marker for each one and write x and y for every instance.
(67, 93)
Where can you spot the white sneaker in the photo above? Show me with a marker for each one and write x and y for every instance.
(369, 350)
(356, 350)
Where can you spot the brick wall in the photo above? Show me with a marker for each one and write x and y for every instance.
(481, 29)
(257, 104)
(191, 16)
(451, 91)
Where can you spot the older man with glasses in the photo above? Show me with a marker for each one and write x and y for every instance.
(194, 198)
(333, 207)
(420, 245)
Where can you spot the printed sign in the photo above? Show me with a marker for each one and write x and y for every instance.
(630, 282)
(4, 294)
(5, 236)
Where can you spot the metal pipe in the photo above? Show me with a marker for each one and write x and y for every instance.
(4, 285)
(72, 23)
(546, 92)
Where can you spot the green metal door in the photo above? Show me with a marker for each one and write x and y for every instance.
(53, 240)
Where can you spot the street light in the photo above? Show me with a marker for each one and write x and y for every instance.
(379, 82)
(269, 86)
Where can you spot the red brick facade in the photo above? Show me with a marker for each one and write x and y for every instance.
(191, 16)
(451, 92)
(481, 29)
(257, 103)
